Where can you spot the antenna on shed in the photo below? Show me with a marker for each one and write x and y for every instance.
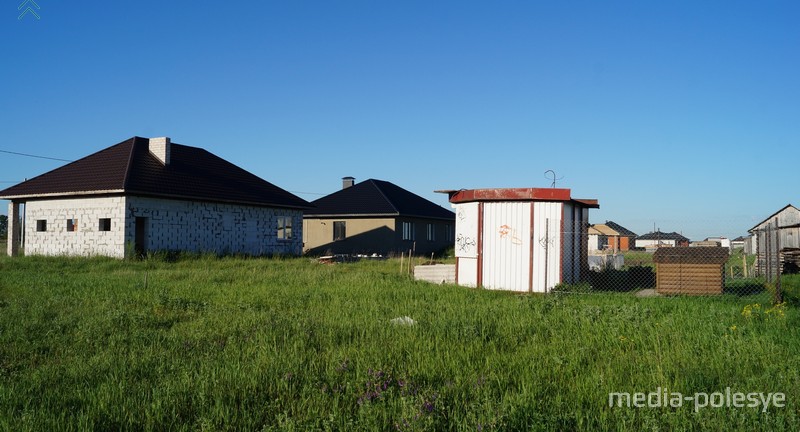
(554, 179)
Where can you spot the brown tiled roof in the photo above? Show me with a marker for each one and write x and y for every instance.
(130, 168)
(620, 229)
(691, 255)
(377, 198)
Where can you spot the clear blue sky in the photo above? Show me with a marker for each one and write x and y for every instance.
(683, 114)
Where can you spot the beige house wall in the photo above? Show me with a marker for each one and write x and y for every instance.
(375, 235)
(362, 235)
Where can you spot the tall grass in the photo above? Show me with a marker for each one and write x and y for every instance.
(289, 344)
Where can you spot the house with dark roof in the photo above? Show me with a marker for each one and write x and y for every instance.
(660, 239)
(152, 194)
(376, 217)
(610, 236)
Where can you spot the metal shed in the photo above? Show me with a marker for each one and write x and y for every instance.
(520, 239)
(690, 270)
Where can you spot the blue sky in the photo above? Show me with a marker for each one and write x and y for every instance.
(680, 115)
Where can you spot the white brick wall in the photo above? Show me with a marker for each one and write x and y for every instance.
(88, 239)
(212, 227)
(171, 225)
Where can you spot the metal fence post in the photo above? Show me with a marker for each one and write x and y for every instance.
(779, 267)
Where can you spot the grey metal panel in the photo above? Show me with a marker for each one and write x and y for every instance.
(467, 230)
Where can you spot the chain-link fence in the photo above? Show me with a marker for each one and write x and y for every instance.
(763, 264)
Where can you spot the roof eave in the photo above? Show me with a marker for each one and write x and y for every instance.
(588, 203)
(348, 215)
(63, 194)
(755, 228)
(374, 215)
(148, 194)
(195, 198)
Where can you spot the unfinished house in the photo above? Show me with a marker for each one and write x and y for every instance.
(151, 195)
(610, 237)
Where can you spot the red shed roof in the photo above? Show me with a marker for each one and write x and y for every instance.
(516, 194)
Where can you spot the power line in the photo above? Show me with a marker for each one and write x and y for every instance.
(307, 193)
(34, 156)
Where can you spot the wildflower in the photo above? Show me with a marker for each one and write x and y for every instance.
(752, 311)
(776, 311)
(732, 328)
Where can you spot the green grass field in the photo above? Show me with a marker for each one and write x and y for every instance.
(288, 344)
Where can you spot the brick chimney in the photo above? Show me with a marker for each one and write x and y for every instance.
(347, 182)
(160, 148)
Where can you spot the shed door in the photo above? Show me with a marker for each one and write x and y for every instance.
(507, 246)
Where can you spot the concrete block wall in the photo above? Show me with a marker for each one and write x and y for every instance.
(87, 239)
(212, 227)
(439, 273)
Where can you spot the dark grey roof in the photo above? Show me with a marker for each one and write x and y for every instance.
(377, 198)
(130, 168)
(620, 229)
(658, 235)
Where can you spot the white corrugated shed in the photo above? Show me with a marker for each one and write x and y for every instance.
(506, 245)
(525, 240)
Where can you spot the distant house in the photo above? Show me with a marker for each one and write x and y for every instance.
(610, 236)
(720, 241)
(660, 239)
(376, 217)
(594, 244)
(151, 194)
(746, 243)
(777, 240)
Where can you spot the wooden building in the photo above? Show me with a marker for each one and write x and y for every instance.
(777, 243)
(691, 271)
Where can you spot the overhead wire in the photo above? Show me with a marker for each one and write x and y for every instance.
(35, 156)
